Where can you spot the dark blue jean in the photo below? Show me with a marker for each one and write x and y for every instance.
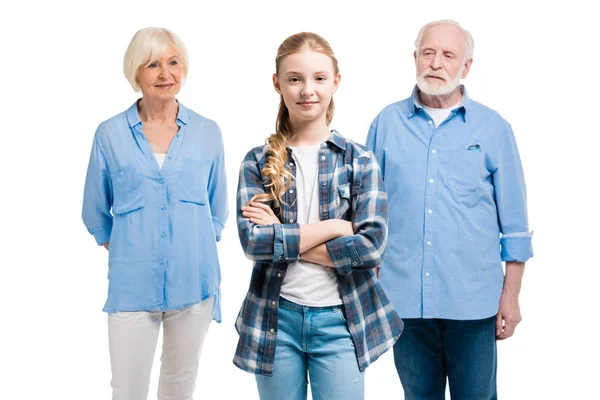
(464, 352)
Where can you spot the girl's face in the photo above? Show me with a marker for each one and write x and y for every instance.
(306, 80)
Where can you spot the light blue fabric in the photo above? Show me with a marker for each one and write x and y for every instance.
(452, 192)
(162, 224)
(313, 345)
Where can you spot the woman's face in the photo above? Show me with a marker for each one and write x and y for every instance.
(161, 79)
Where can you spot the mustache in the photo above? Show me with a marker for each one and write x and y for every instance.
(437, 74)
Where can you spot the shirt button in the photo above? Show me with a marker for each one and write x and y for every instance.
(431, 181)
(291, 191)
(291, 220)
(323, 184)
(426, 273)
(161, 262)
(430, 122)
(163, 234)
(291, 164)
(323, 145)
(428, 243)
(429, 211)
(434, 151)
(273, 302)
(163, 208)
(279, 274)
(161, 181)
(177, 135)
(355, 263)
(271, 330)
(170, 158)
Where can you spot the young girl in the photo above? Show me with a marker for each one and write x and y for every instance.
(312, 215)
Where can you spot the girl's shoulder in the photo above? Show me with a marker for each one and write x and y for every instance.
(355, 150)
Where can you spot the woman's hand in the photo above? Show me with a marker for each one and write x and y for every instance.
(105, 245)
(260, 214)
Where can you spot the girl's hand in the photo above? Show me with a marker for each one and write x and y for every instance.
(260, 214)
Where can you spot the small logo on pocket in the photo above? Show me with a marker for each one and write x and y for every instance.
(474, 147)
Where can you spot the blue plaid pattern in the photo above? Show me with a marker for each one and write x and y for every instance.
(350, 188)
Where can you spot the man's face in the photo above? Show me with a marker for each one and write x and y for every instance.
(440, 60)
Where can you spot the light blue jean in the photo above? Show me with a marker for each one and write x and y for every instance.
(313, 344)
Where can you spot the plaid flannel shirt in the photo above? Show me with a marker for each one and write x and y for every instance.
(350, 188)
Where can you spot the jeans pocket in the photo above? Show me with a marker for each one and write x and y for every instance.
(340, 312)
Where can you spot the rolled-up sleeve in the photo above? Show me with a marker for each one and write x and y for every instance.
(511, 201)
(275, 243)
(97, 196)
(364, 250)
(217, 190)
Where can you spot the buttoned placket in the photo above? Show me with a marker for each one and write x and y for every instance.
(290, 212)
(323, 186)
(160, 185)
(430, 219)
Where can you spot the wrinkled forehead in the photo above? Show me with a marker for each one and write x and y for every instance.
(444, 37)
(159, 50)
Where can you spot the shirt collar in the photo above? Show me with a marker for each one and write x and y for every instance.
(133, 116)
(465, 104)
(337, 140)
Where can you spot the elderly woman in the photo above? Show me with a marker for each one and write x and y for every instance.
(155, 195)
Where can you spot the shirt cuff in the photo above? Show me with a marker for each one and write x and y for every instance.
(516, 247)
(286, 245)
(102, 234)
(343, 254)
(218, 227)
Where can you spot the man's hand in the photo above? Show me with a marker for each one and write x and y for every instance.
(105, 245)
(260, 214)
(509, 312)
(509, 316)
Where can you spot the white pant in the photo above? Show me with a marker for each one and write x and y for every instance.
(132, 340)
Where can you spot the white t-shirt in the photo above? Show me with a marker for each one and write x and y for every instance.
(439, 115)
(160, 159)
(307, 283)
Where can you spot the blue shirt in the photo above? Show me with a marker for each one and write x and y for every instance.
(350, 188)
(457, 208)
(162, 224)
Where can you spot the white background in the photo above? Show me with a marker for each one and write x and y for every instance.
(61, 75)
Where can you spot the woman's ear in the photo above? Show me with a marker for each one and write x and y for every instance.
(276, 84)
(336, 82)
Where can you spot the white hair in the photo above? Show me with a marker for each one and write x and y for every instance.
(469, 44)
(149, 44)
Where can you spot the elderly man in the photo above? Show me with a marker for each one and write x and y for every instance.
(457, 211)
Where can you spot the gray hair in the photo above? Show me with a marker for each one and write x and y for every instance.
(469, 44)
(148, 44)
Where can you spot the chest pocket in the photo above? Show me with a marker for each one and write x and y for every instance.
(128, 190)
(346, 200)
(192, 181)
(465, 171)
